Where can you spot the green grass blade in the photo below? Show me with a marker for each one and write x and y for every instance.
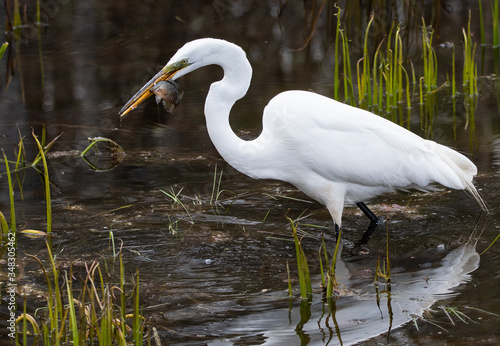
(481, 18)
(491, 244)
(336, 65)
(495, 13)
(17, 21)
(302, 266)
(137, 325)
(387, 253)
(47, 184)
(122, 295)
(57, 305)
(72, 313)
(366, 68)
(3, 48)
(332, 280)
(105, 334)
(175, 197)
(94, 141)
(348, 87)
(25, 323)
(11, 199)
(4, 225)
(320, 255)
(290, 291)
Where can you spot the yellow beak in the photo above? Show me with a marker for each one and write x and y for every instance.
(165, 74)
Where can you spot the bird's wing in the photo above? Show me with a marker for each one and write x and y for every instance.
(350, 145)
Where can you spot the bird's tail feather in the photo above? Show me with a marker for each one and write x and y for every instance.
(473, 191)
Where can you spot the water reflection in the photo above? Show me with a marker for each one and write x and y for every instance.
(223, 278)
(364, 313)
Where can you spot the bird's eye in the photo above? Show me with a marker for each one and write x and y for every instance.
(184, 61)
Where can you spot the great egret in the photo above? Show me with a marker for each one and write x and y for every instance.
(333, 152)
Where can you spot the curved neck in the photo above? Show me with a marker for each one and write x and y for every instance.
(220, 99)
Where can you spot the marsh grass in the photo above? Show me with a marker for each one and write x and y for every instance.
(336, 88)
(495, 12)
(348, 86)
(5, 230)
(95, 315)
(469, 84)
(428, 82)
(76, 310)
(451, 312)
(14, 27)
(491, 244)
(216, 192)
(302, 266)
(98, 145)
(364, 77)
(387, 81)
(5, 227)
(453, 315)
(329, 282)
(327, 267)
(383, 268)
(174, 196)
(3, 48)
(483, 37)
(114, 147)
(46, 182)
(215, 197)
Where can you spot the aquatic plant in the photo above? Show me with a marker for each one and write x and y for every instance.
(348, 87)
(428, 82)
(290, 289)
(331, 282)
(469, 84)
(174, 196)
(302, 266)
(336, 88)
(383, 83)
(20, 164)
(383, 268)
(14, 31)
(5, 227)
(116, 150)
(491, 244)
(94, 315)
(386, 78)
(216, 191)
(364, 78)
(46, 182)
(3, 48)
(495, 13)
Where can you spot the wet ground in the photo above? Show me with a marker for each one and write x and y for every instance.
(214, 271)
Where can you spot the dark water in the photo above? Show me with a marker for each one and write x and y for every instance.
(214, 275)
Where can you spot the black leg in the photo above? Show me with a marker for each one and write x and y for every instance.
(366, 236)
(371, 227)
(367, 212)
(373, 223)
(337, 231)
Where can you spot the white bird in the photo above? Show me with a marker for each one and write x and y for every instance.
(335, 153)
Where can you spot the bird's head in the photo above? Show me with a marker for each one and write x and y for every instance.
(190, 57)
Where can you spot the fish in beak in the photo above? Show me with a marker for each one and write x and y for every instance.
(152, 87)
